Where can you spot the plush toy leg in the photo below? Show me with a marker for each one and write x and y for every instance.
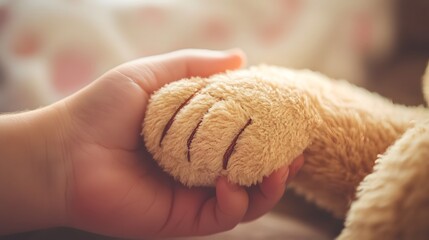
(393, 201)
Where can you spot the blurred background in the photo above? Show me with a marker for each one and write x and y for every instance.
(52, 48)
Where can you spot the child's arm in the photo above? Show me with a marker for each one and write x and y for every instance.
(81, 162)
(32, 183)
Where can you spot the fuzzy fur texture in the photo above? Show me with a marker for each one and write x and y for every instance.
(393, 201)
(216, 109)
(247, 123)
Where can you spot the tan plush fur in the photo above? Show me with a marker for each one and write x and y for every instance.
(245, 124)
(394, 200)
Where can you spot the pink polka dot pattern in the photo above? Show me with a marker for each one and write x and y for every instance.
(363, 31)
(152, 15)
(71, 69)
(4, 16)
(26, 43)
(61, 51)
(215, 30)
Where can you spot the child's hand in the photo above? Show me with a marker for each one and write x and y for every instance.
(110, 185)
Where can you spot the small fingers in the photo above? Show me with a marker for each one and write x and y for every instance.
(265, 196)
(295, 167)
(232, 204)
(226, 210)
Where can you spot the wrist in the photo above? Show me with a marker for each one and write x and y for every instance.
(32, 170)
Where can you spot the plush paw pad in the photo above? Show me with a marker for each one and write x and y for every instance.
(239, 124)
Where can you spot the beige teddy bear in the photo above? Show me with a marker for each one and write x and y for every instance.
(367, 159)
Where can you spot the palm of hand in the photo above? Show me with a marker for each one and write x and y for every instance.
(111, 174)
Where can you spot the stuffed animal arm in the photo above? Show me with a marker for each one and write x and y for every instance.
(245, 124)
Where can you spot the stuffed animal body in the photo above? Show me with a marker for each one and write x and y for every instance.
(245, 124)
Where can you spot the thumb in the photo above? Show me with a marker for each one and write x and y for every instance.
(151, 73)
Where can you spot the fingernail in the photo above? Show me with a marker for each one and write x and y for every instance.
(234, 187)
(295, 167)
(285, 175)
